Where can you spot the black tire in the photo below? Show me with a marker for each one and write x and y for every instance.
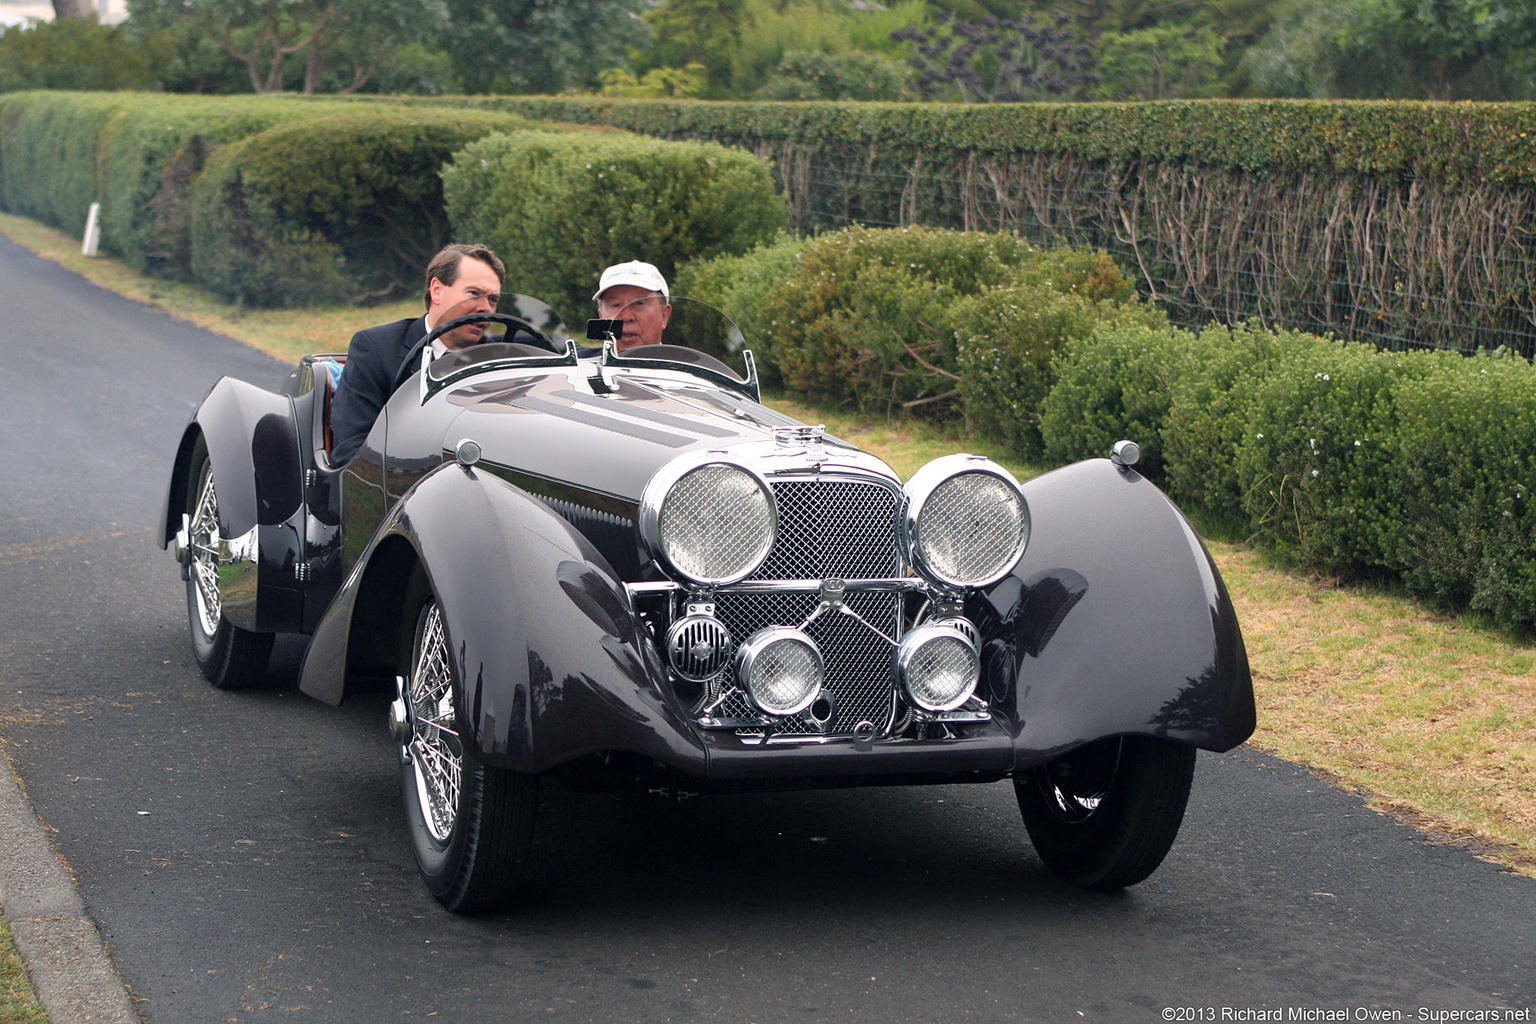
(1105, 815)
(471, 840)
(230, 657)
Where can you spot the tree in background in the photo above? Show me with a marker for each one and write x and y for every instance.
(75, 53)
(657, 83)
(684, 32)
(541, 46)
(1001, 61)
(1394, 49)
(363, 35)
(1443, 43)
(260, 34)
(822, 49)
(308, 45)
(1163, 62)
(854, 75)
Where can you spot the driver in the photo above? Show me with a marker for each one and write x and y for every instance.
(467, 274)
(636, 294)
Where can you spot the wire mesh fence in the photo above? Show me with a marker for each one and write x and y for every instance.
(1401, 262)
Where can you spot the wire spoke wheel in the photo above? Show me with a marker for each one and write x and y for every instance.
(230, 657)
(434, 748)
(204, 539)
(471, 824)
(1105, 815)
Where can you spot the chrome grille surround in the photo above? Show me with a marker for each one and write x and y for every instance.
(838, 513)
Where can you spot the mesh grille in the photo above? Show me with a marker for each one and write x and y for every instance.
(833, 529)
(827, 529)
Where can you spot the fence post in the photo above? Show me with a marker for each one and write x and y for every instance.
(92, 238)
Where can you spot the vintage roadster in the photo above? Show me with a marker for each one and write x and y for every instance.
(616, 568)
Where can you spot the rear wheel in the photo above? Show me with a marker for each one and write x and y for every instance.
(471, 825)
(230, 657)
(1105, 815)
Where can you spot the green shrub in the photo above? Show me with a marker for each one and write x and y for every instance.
(331, 208)
(76, 53)
(851, 75)
(1210, 413)
(1320, 471)
(1116, 383)
(738, 285)
(866, 315)
(1009, 339)
(1465, 469)
(560, 208)
(153, 149)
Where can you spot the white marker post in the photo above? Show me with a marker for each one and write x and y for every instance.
(92, 237)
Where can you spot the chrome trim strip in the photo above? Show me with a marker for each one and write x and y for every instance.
(908, 585)
(430, 387)
(238, 560)
(749, 387)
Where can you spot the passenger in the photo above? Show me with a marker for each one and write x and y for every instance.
(457, 274)
(635, 293)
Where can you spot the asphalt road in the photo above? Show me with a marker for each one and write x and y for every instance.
(245, 853)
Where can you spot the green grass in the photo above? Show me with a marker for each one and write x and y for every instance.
(1433, 717)
(18, 1003)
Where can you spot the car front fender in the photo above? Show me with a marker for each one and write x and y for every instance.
(554, 662)
(1115, 622)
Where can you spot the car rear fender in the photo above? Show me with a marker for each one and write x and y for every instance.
(1115, 622)
(254, 447)
(257, 473)
(553, 659)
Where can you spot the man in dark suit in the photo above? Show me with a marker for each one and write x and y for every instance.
(469, 276)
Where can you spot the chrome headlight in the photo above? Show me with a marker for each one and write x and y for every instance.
(965, 521)
(938, 666)
(710, 519)
(781, 669)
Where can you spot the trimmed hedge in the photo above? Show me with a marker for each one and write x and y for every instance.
(560, 208)
(1454, 142)
(1413, 466)
(310, 200)
(48, 154)
(1337, 216)
(1468, 477)
(135, 153)
(328, 208)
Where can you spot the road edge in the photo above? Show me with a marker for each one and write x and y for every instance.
(72, 972)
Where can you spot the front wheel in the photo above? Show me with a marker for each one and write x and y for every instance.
(1105, 815)
(230, 657)
(471, 825)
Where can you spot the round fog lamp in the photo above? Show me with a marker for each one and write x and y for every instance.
(938, 667)
(780, 668)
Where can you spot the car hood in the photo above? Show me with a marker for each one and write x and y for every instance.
(604, 435)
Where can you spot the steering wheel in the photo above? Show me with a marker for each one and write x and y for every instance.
(514, 324)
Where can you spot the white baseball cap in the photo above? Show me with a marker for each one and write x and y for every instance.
(641, 275)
